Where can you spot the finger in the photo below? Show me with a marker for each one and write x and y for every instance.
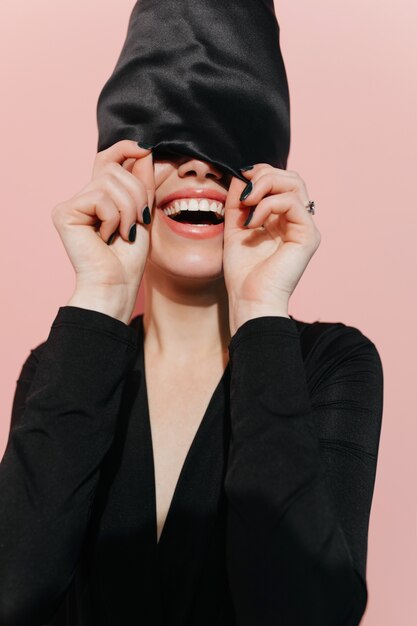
(299, 221)
(124, 202)
(118, 153)
(128, 164)
(96, 204)
(143, 169)
(233, 206)
(133, 185)
(255, 168)
(291, 177)
(264, 184)
(264, 168)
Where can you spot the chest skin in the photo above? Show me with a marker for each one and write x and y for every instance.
(178, 397)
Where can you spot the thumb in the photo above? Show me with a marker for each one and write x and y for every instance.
(144, 170)
(234, 211)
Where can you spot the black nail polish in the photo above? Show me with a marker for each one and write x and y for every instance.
(111, 238)
(132, 232)
(146, 146)
(252, 211)
(246, 191)
(146, 214)
(247, 167)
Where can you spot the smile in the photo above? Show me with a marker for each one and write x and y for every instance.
(200, 211)
(195, 219)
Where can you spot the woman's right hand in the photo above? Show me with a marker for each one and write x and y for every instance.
(108, 276)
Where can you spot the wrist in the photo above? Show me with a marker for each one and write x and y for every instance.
(112, 301)
(242, 312)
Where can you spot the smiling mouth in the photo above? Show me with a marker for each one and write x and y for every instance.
(195, 211)
(196, 217)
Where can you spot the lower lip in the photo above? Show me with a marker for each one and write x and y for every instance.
(192, 230)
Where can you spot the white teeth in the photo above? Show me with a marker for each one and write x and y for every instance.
(194, 204)
(204, 205)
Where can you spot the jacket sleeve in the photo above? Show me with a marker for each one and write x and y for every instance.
(299, 505)
(63, 422)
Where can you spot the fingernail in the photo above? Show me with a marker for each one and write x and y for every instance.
(132, 232)
(252, 211)
(111, 238)
(146, 214)
(247, 167)
(246, 191)
(146, 146)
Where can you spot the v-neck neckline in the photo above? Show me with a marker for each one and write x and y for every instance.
(195, 441)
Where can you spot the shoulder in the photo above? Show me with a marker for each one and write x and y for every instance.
(334, 343)
(30, 364)
(345, 379)
(23, 384)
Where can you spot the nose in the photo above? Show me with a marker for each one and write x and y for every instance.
(199, 169)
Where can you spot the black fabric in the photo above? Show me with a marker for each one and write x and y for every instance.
(203, 78)
(269, 521)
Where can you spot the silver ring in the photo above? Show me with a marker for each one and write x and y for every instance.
(310, 206)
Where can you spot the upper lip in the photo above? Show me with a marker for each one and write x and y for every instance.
(194, 192)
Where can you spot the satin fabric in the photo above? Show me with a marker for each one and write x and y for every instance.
(202, 78)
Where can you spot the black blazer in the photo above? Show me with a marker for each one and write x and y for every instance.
(269, 520)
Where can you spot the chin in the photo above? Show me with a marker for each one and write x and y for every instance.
(201, 265)
(182, 257)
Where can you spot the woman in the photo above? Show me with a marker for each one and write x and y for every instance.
(232, 485)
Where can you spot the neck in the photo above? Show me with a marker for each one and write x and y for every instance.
(185, 318)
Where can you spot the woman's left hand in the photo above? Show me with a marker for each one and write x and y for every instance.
(262, 265)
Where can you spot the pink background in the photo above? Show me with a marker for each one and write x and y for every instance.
(352, 72)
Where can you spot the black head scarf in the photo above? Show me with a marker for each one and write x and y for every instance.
(203, 78)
